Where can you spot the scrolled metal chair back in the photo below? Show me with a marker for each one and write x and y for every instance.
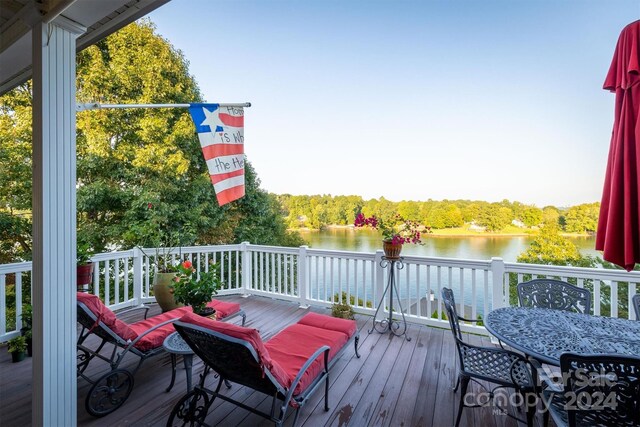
(601, 390)
(452, 314)
(636, 305)
(554, 294)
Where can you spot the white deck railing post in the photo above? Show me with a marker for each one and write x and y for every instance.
(498, 291)
(138, 281)
(246, 269)
(379, 284)
(303, 280)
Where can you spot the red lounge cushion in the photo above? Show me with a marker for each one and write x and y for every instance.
(291, 348)
(156, 338)
(240, 332)
(322, 321)
(106, 316)
(223, 308)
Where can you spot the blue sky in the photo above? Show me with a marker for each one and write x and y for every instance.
(413, 99)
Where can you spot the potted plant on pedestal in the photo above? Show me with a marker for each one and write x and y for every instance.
(17, 347)
(196, 289)
(395, 232)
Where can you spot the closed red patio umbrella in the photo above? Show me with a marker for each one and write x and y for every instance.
(619, 223)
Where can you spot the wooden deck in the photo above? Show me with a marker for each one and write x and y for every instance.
(395, 383)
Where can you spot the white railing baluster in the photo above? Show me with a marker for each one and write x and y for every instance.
(596, 299)
(474, 299)
(18, 290)
(631, 291)
(3, 304)
(429, 292)
(614, 299)
(116, 279)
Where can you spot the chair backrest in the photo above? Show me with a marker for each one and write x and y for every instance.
(242, 358)
(554, 294)
(636, 305)
(601, 389)
(97, 318)
(452, 313)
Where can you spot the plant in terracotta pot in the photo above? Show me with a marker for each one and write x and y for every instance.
(395, 232)
(17, 347)
(84, 266)
(196, 289)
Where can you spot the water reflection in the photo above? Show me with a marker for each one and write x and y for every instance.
(466, 247)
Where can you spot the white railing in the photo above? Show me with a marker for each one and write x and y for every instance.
(321, 277)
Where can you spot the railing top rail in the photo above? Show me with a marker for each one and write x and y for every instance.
(191, 249)
(583, 272)
(448, 262)
(273, 249)
(107, 256)
(341, 254)
(16, 267)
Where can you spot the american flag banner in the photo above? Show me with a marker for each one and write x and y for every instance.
(221, 134)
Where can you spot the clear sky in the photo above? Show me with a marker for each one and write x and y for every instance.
(413, 99)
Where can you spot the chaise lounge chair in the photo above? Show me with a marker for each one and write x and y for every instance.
(143, 339)
(289, 367)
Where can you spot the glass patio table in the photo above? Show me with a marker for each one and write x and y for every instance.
(545, 334)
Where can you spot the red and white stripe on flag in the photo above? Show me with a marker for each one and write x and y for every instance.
(221, 134)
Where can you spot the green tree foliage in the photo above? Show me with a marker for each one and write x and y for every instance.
(494, 216)
(445, 215)
(530, 216)
(550, 248)
(550, 215)
(140, 171)
(582, 218)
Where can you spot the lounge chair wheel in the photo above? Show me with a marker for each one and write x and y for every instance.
(109, 392)
(191, 409)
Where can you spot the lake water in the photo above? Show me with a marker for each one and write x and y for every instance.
(465, 247)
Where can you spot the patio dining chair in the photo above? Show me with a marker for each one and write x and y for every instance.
(143, 339)
(636, 305)
(504, 368)
(596, 390)
(289, 367)
(554, 294)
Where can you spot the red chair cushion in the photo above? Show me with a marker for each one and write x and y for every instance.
(246, 334)
(223, 308)
(106, 316)
(322, 321)
(155, 338)
(292, 346)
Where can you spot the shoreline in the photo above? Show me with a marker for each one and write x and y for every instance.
(455, 232)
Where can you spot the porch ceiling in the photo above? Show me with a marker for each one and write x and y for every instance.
(17, 17)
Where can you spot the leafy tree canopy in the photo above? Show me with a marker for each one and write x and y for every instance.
(141, 174)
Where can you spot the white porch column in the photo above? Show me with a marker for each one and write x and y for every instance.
(54, 223)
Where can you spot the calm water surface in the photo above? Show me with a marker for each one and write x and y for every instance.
(466, 247)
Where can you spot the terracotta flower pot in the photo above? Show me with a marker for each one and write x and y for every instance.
(391, 250)
(163, 291)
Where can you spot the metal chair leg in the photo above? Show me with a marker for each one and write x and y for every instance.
(464, 382)
(455, 388)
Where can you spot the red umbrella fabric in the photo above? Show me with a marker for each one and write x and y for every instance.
(619, 223)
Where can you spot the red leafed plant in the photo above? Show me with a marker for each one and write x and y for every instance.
(407, 231)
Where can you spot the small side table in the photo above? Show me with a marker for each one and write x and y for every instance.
(174, 345)
(390, 324)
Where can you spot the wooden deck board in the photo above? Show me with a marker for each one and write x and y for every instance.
(395, 382)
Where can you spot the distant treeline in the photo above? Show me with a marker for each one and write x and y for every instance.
(318, 211)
